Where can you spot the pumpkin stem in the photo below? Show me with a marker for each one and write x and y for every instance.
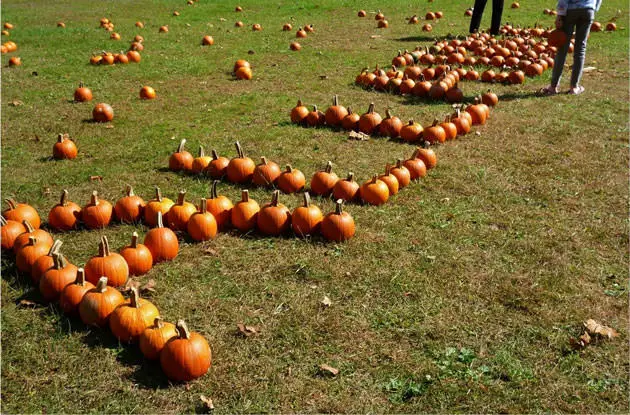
(307, 199)
(60, 138)
(410, 122)
(314, 108)
(94, 198)
(371, 108)
(203, 205)
(374, 178)
(32, 240)
(339, 206)
(182, 329)
(213, 190)
(181, 197)
(415, 154)
(59, 261)
(28, 226)
(158, 322)
(80, 277)
(160, 223)
(103, 247)
(350, 177)
(399, 163)
(64, 196)
(388, 114)
(129, 191)
(388, 169)
(328, 167)
(102, 285)
(158, 194)
(335, 101)
(181, 145)
(3, 221)
(239, 150)
(425, 144)
(263, 160)
(274, 198)
(55, 247)
(134, 298)
(134, 240)
(81, 85)
(12, 203)
(245, 196)
(299, 103)
(215, 156)
(349, 110)
(435, 122)
(201, 152)
(289, 168)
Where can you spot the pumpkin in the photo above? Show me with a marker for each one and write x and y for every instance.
(611, 27)
(147, 92)
(45, 262)
(103, 112)
(245, 213)
(186, 356)
(379, 16)
(238, 24)
(162, 242)
(369, 122)
(315, 118)
(490, 99)
(306, 219)
(207, 41)
(64, 148)
(97, 213)
(244, 73)
(274, 218)
(338, 226)
(534, 69)
(401, 173)
(299, 113)
(427, 27)
(180, 160)
(346, 189)
(98, 304)
(430, 16)
(72, 294)
(421, 88)
(82, 93)
(516, 77)
(351, 121)
(390, 180)
(153, 338)
(140, 25)
(439, 15)
(417, 168)
(134, 56)
(461, 123)
(596, 27)
(438, 89)
(361, 13)
(217, 168)
(129, 320)
(411, 132)
(256, 27)
(406, 86)
(374, 191)
(477, 113)
(107, 264)
(129, 208)
(399, 60)
(65, 215)
(427, 155)
(515, 5)
(390, 126)
(266, 173)
(114, 36)
(202, 226)
(55, 280)
(10, 231)
(291, 180)
(138, 257)
(434, 133)
(158, 205)
(454, 94)
(163, 29)
(335, 113)
(295, 46)
(450, 129)
(179, 214)
(200, 164)
(29, 253)
(220, 207)
(382, 24)
(287, 27)
(23, 239)
(20, 212)
(15, 61)
(323, 182)
(241, 168)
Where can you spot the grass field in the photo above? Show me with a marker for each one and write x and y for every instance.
(459, 295)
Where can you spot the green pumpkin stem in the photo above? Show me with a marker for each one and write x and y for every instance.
(182, 329)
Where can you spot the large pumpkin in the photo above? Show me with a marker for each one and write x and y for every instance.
(107, 264)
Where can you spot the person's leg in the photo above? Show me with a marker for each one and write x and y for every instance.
(561, 54)
(475, 20)
(582, 29)
(497, 12)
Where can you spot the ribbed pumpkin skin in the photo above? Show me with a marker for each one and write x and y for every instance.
(129, 209)
(266, 173)
(183, 360)
(291, 180)
(181, 160)
(180, 213)
(241, 168)
(107, 264)
(41, 235)
(391, 181)
(128, 322)
(97, 214)
(153, 339)
(218, 166)
(72, 295)
(28, 254)
(20, 212)
(346, 189)
(159, 204)
(202, 226)
(338, 226)
(306, 219)
(245, 213)
(402, 174)
(65, 215)
(220, 207)
(417, 168)
(163, 244)
(137, 256)
(96, 307)
(374, 192)
(323, 182)
(54, 281)
(10, 231)
(428, 156)
(274, 218)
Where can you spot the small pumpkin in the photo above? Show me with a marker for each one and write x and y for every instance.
(401, 173)
(390, 180)
(64, 148)
(287, 27)
(266, 173)
(244, 73)
(103, 112)
(180, 213)
(29, 253)
(107, 264)
(374, 191)
(82, 93)
(390, 126)
(361, 13)
(200, 164)
(323, 182)
(53, 281)
(411, 132)
(147, 92)
(369, 122)
(158, 205)
(72, 294)
(245, 213)
(461, 123)
(295, 46)
(315, 118)
(97, 213)
(218, 166)
(351, 121)
(186, 356)
(20, 212)
(450, 129)
(477, 113)
(434, 133)
(202, 225)
(162, 242)
(153, 338)
(299, 113)
(338, 226)
(379, 16)
(129, 208)
(417, 168)
(241, 168)
(427, 155)
(10, 231)
(291, 180)
(274, 218)
(207, 40)
(490, 98)
(23, 239)
(138, 257)
(346, 189)
(306, 219)
(65, 215)
(180, 160)
(335, 113)
(220, 207)
(45, 262)
(301, 33)
(129, 320)
(99, 303)
(134, 56)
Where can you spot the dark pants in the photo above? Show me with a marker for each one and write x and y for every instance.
(497, 11)
(579, 20)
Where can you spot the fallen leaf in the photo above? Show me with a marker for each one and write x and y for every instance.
(594, 327)
(211, 252)
(246, 330)
(208, 406)
(27, 303)
(326, 369)
(353, 135)
(589, 69)
(323, 77)
(375, 36)
(581, 342)
(129, 285)
(109, 126)
(222, 20)
(16, 103)
(148, 287)
(326, 301)
(96, 178)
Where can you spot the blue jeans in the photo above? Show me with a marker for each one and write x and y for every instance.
(579, 20)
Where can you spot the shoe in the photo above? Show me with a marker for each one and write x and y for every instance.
(548, 90)
(576, 90)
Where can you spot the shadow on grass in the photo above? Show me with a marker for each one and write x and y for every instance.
(424, 38)
(521, 95)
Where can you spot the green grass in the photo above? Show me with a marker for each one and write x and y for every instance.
(460, 295)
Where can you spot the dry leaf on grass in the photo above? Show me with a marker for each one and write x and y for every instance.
(594, 327)
(27, 303)
(246, 330)
(131, 283)
(16, 103)
(211, 252)
(96, 178)
(328, 370)
(581, 342)
(326, 301)
(208, 405)
(148, 287)
(358, 136)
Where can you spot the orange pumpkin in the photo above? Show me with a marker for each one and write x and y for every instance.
(107, 264)
(338, 226)
(147, 92)
(20, 212)
(390, 180)
(180, 160)
(291, 180)
(306, 219)
(202, 226)
(129, 208)
(98, 304)
(351, 121)
(29, 253)
(346, 189)
(401, 173)
(103, 112)
(201, 163)
(434, 133)
(245, 213)
(390, 126)
(10, 231)
(217, 168)
(82, 93)
(138, 257)
(315, 118)
(369, 122)
(411, 132)
(72, 294)
(55, 280)
(266, 173)
(274, 218)
(323, 182)
(299, 113)
(64, 148)
(244, 73)
(374, 191)
(450, 129)
(162, 242)
(158, 205)
(335, 113)
(461, 123)
(129, 320)
(427, 155)
(97, 213)
(180, 213)
(44, 263)
(241, 168)
(186, 356)
(417, 168)
(23, 239)
(220, 207)
(153, 338)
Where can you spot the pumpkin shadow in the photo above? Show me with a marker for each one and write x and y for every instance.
(520, 95)
(424, 38)
(148, 374)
